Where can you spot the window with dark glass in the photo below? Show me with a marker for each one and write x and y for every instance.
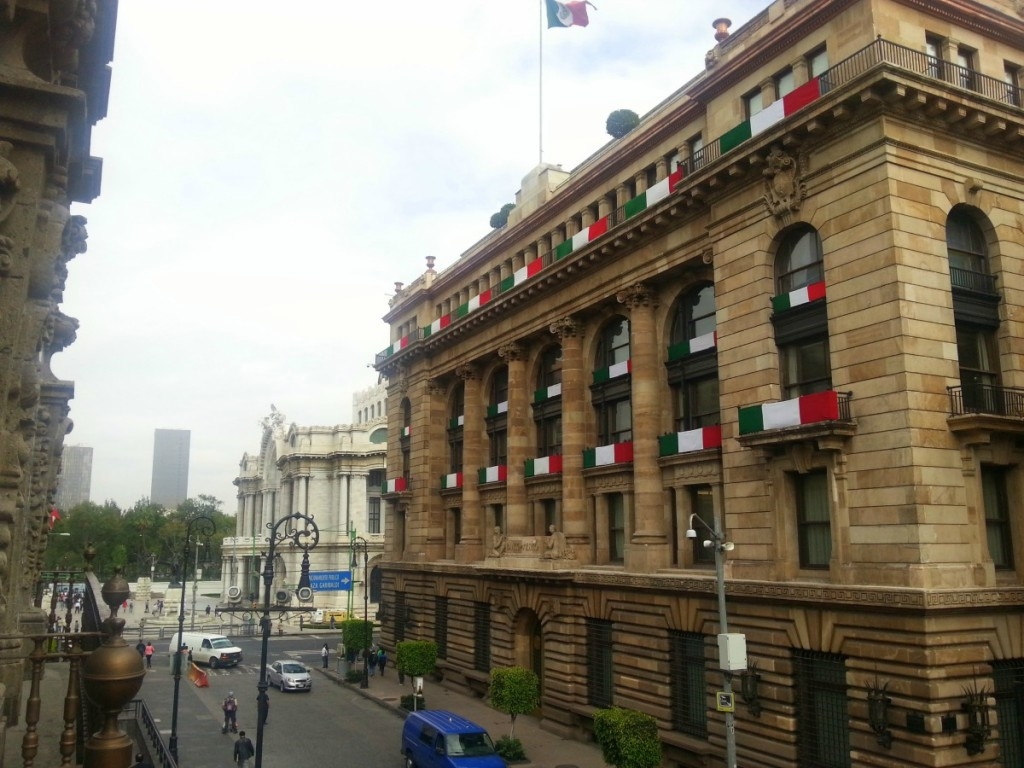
(1012, 78)
(702, 503)
(800, 261)
(401, 616)
(441, 626)
(616, 528)
(482, 637)
(813, 518)
(456, 414)
(497, 419)
(405, 442)
(612, 397)
(966, 76)
(697, 158)
(547, 411)
(693, 377)
(373, 514)
(1008, 684)
(822, 710)
(687, 680)
(599, 663)
(933, 55)
(994, 486)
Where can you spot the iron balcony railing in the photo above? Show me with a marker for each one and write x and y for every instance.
(877, 53)
(969, 280)
(986, 398)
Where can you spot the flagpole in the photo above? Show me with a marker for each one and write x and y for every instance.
(540, 85)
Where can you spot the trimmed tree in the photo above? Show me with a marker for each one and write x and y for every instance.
(500, 219)
(620, 122)
(357, 636)
(514, 691)
(416, 658)
(628, 739)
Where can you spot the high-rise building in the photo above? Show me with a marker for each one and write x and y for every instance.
(75, 479)
(754, 369)
(170, 467)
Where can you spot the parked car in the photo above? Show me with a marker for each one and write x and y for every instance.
(436, 738)
(289, 675)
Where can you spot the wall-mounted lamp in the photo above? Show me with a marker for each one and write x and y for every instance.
(749, 681)
(978, 727)
(878, 713)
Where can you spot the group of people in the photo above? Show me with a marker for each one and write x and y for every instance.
(146, 651)
(243, 748)
(376, 658)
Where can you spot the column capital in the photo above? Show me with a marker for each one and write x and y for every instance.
(636, 296)
(512, 352)
(466, 372)
(436, 387)
(566, 327)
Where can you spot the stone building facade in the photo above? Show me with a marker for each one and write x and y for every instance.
(334, 474)
(54, 84)
(784, 312)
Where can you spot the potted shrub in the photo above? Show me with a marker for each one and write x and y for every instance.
(416, 658)
(357, 635)
(514, 691)
(628, 739)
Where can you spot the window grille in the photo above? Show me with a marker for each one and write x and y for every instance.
(823, 731)
(441, 626)
(599, 663)
(482, 637)
(689, 687)
(1008, 679)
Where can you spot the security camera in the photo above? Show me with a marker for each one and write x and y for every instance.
(691, 533)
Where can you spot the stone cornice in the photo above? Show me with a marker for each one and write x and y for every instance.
(988, 23)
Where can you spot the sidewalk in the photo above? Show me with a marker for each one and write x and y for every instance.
(543, 749)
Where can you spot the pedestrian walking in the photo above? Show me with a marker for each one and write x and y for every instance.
(148, 652)
(141, 761)
(244, 750)
(382, 661)
(141, 648)
(207, 610)
(230, 709)
(324, 654)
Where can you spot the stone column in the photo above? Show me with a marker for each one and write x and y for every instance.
(574, 403)
(429, 526)
(471, 548)
(516, 515)
(648, 546)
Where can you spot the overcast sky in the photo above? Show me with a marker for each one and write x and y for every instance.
(271, 169)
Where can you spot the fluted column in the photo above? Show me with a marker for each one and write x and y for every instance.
(470, 547)
(574, 403)
(648, 546)
(517, 519)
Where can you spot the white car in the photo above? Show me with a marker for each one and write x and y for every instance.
(289, 676)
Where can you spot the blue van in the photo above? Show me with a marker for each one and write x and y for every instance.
(436, 738)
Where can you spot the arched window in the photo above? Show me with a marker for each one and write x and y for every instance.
(456, 417)
(497, 418)
(801, 317)
(693, 360)
(547, 402)
(610, 393)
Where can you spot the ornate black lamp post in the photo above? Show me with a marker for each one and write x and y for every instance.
(305, 538)
(366, 606)
(206, 527)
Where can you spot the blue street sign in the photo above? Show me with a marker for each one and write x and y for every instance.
(331, 581)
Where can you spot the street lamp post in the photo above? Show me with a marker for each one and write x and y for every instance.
(195, 587)
(305, 538)
(206, 528)
(366, 606)
(732, 652)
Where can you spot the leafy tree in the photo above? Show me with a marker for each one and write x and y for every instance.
(514, 691)
(620, 122)
(416, 657)
(357, 635)
(500, 219)
(628, 739)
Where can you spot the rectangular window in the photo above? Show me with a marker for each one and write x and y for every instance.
(1012, 78)
(997, 516)
(702, 503)
(966, 76)
(697, 158)
(813, 518)
(615, 422)
(549, 436)
(976, 348)
(498, 442)
(599, 663)
(441, 626)
(817, 62)
(933, 56)
(375, 479)
(550, 514)
(785, 82)
(806, 368)
(1008, 680)
(455, 449)
(616, 528)
(696, 403)
(753, 103)
(373, 515)
(482, 637)
(687, 679)
(401, 614)
(823, 720)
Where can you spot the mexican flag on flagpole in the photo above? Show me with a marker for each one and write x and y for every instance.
(571, 14)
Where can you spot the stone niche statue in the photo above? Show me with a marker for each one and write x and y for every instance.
(554, 545)
(498, 542)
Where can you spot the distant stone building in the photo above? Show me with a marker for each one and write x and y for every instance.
(171, 449)
(335, 474)
(54, 85)
(786, 313)
(75, 481)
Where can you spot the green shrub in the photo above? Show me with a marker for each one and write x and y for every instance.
(407, 702)
(514, 691)
(628, 739)
(620, 122)
(354, 676)
(356, 634)
(510, 748)
(500, 219)
(416, 658)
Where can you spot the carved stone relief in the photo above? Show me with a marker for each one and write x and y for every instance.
(10, 182)
(784, 189)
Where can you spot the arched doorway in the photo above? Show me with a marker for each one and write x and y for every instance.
(528, 646)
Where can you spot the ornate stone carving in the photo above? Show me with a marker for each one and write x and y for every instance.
(636, 296)
(511, 352)
(73, 24)
(566, 327)
(556, 547)
(274, 422)
(784, 189)
(436, 387)
(707, 256)
(466, 372)
(10, 181)
(7, 245)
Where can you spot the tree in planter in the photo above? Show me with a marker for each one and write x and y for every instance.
(500, 219)
(357, 636)
(416, 658)
(514, 691)
(620, 122)
(628, 739)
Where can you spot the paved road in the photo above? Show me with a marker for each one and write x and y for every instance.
(330, 724)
